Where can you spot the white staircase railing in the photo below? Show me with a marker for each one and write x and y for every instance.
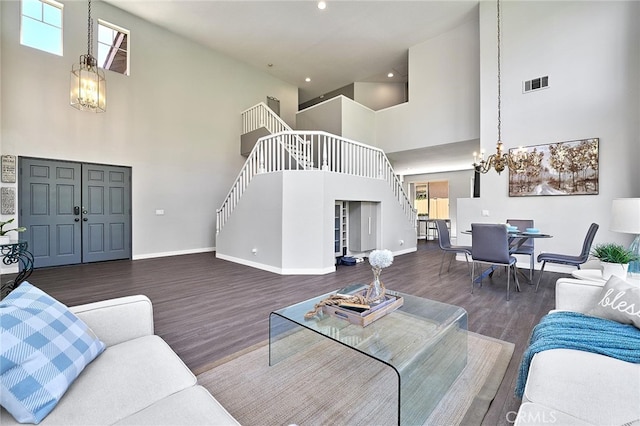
(261, 115)
(331, 153)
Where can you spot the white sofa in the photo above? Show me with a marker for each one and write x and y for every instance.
(571, 387)
(137, 380)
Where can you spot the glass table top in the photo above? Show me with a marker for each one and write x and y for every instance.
(414, 323)
(424, 341)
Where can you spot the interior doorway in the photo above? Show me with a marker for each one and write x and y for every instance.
(432, 199)
(274, 104)
(74, 212)
(432, 202)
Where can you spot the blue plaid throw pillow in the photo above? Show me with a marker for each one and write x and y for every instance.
(43, 348)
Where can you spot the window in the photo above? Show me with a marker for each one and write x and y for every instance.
(41, 25)
(113, 47)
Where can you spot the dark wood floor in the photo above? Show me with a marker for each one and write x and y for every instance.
(207, 308)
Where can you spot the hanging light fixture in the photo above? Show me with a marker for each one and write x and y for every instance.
(88, 87)
(500, 160)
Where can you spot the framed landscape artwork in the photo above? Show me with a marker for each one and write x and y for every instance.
(561, 168)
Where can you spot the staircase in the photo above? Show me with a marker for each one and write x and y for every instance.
(286, 149)
(261, 115)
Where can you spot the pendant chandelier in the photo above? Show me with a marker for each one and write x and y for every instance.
(500, 160)
(88, 87)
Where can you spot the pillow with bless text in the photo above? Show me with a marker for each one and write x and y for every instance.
(619, 301)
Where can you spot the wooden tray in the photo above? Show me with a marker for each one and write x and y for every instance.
(365, 318)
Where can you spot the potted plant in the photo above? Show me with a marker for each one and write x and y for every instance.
(614, 259)
(4, 237)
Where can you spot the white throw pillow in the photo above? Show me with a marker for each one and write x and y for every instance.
(619, 301)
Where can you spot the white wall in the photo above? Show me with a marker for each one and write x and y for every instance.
(444, 97)
(305, 238)
(302, 213)
(175, 120)
(1, 86)
(340, 116)
(591, 53)
(358, 122)
(325, 116)
(378, 96)
(256, 223)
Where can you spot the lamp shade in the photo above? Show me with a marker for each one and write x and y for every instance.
(625, 215)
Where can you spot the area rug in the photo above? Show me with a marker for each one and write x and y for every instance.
(329, 384)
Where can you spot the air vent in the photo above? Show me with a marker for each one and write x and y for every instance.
(535, 84)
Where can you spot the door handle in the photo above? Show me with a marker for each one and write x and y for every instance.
(76, 210)
(76, 219)
(84, 219)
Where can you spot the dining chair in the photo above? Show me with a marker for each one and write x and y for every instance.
(444, 241)
(527, 248)
(565, 259)
(490, 244)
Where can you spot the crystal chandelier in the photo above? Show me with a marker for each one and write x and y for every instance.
(500, 160)
(88, 87)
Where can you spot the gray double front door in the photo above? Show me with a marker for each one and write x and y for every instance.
(74, 212)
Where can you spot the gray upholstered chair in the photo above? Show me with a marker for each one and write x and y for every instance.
(444, 241)
(490, 244)
(528, 247)
(566, 259)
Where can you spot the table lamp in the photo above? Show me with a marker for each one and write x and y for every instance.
(625, 217)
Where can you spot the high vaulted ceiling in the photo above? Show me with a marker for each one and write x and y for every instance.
(349, 41)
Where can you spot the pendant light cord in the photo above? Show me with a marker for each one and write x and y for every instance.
(89, 31)
(499, 82)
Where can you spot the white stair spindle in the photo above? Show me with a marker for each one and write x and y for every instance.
(325, 160)
(261, 160)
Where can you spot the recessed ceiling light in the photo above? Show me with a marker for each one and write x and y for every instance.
(322, 5)
(308, 79)
(390, 75)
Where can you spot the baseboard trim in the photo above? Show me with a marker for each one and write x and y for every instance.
(275, 269)
(172, 253)
(13, 269)
(405, 251)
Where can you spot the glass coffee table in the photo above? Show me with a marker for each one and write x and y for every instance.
(424, 342)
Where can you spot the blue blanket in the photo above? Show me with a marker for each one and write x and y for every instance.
(573, 330)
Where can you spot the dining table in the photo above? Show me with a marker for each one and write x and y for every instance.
(516, 239)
